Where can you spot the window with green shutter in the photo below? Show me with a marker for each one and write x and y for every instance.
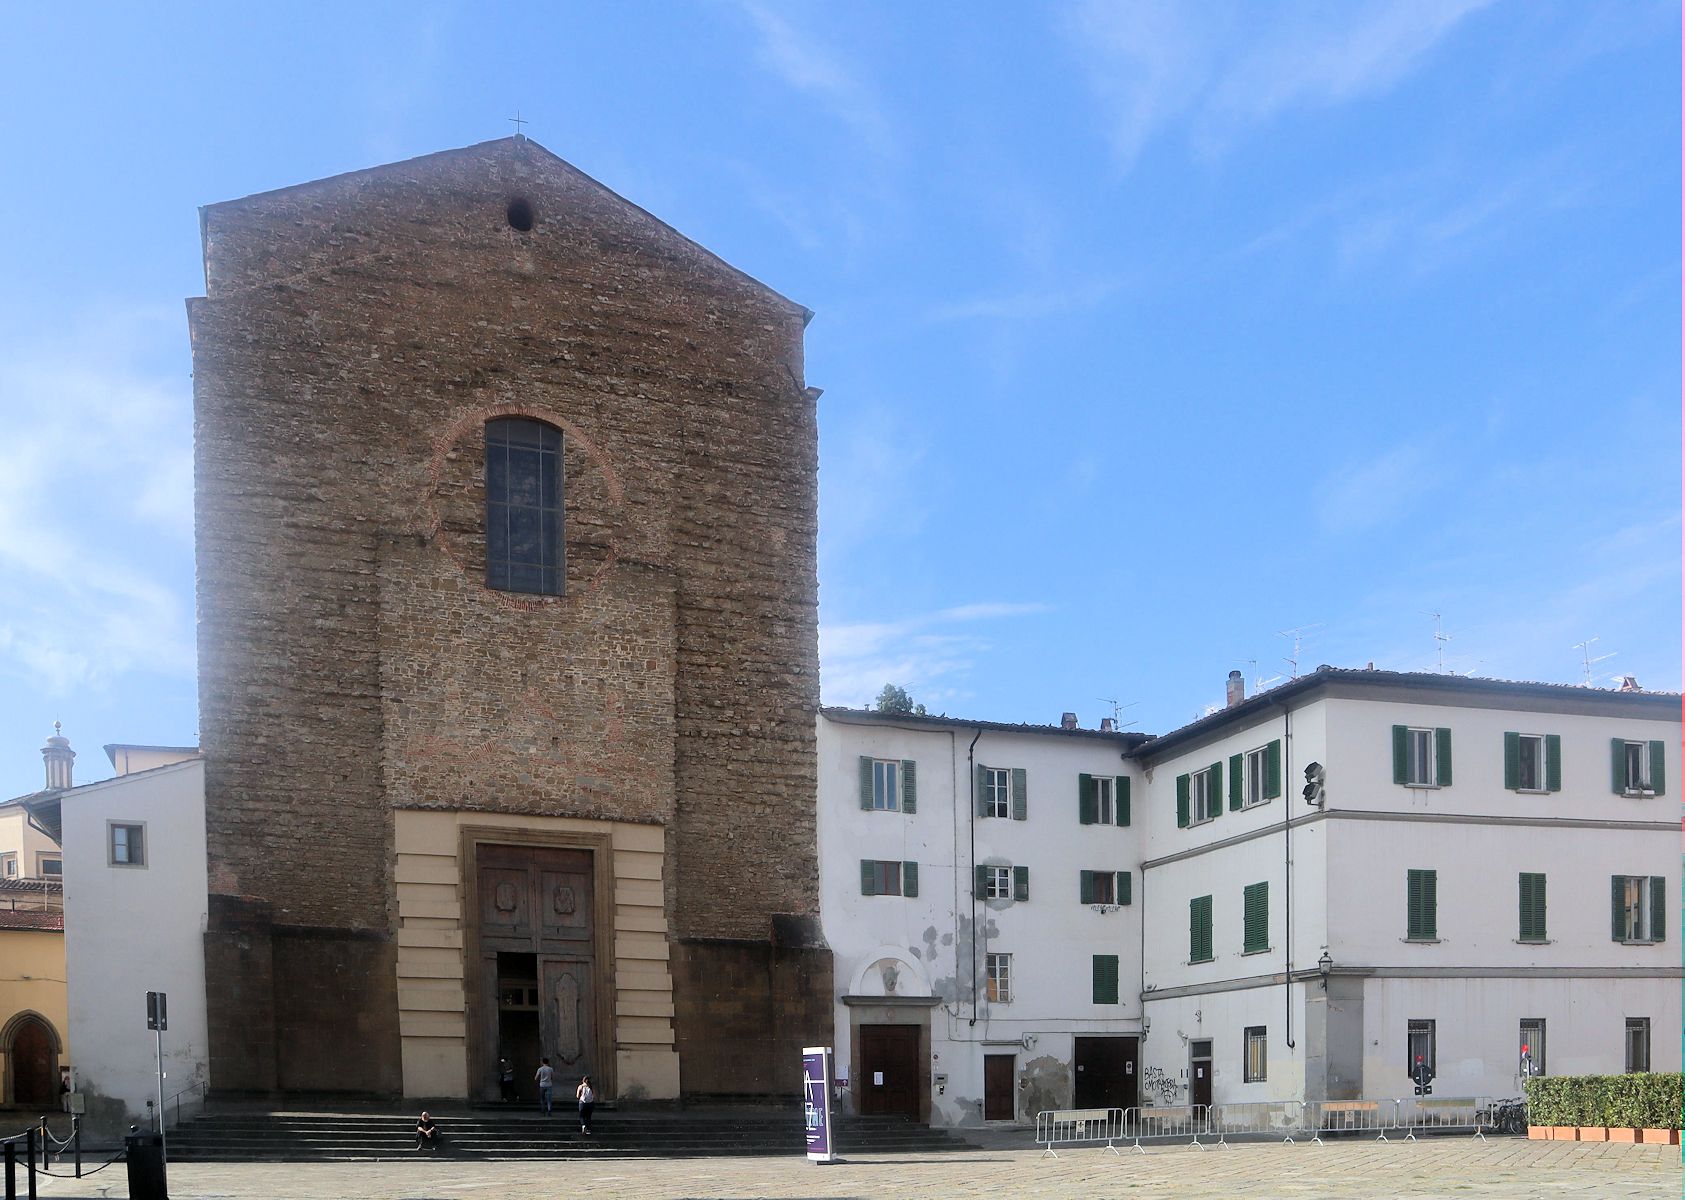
(1422, 901)
(1105, 979)
(1020, 794)
(1421, 757)
(1020, 883)
(1532, 762)
(1182, 789)
(888, 785)
(1638, 908)
(1199, 929)
(1099, 887)
(1086, 805)
(1640, 768)
(1255, 905)
(1532, 888)
(1237, 771)
(1125, 888)
(1255, 777)
(879, 878)
(1122, 786)
(909, 879)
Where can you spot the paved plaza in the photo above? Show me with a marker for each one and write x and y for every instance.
(1443, 1168)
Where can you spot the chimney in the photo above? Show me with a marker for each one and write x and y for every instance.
(1629, 683)
(1237, 688)
(59, 757)
(1068, 721)
(1108, 724)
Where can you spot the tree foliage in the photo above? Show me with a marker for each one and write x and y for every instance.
(894, 699)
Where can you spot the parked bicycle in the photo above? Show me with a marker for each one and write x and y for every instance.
(1505, 1116)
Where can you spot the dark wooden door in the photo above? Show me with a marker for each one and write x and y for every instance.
(32, 1066)
(1199, 1074)
(536, 907)
(999, 1100)
(1105, 1072)
(889, 1070)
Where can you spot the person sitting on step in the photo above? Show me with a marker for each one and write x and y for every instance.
(426, 1133)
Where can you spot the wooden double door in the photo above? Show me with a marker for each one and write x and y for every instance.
(536, 950)
(1105, 1072)
(889, 1070)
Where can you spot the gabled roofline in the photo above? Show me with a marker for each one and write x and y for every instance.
(867, 716)
(520, 143)
(1353, 682)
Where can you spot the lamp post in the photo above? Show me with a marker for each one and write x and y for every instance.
(1324, 968)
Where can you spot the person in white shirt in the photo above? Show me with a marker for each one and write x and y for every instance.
(587, 1098)
(546, 1077)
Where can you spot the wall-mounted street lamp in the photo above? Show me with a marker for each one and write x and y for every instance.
(1325, 968)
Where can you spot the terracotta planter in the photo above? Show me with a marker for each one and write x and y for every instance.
(1593, 1133)
(1538, 1133)
(1620, 1133)
(1659, 1137)
(1563, 1133)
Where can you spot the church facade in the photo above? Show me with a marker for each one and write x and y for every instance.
(506, 513)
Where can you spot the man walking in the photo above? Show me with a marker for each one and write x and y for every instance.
(546, 1077)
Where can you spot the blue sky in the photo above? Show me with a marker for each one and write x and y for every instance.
(1147, 331)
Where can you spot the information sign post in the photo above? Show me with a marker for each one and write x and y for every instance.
(816, 1106)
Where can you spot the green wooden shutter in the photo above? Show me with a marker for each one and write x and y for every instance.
(1105, 979)
(1125, 889)
(1181, 801)
(1422, 920)
(1617, 757)
(1255, 917)
(867, 878)
(1512, 761)
(1120, 799)
(1020, 883)
(982, 787)
(1401, 754)
(1087, 805)
(1020, 794)
(1617, 908)
(1658, 768)
(909, 879)
(1430, 903)
(981, 888)
(1216, 792)
(1553, 762)
(1272, 770)
(1658, 907)
(866, 784)
(1442, 756)
(1235, 772)
(1532, 907)
(1199, 935)
(909, 786)
(1085, 887)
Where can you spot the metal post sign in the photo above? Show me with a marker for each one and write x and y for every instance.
(816, 1089)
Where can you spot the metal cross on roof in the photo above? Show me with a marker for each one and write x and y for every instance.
(517, 121)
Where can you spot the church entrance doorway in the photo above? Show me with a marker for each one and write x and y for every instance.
(30, 1052)
(536, 947)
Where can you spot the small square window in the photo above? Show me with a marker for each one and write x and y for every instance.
(879, 878)
(128, 845)
(997, 792)
(1103, 888)
(997, 883)
(50, 866)
(1257, 1055)
(999, 968)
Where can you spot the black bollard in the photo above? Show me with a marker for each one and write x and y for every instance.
(11, 1171)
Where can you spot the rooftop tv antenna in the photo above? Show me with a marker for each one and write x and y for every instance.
(1587, 662)
(1298, 636)
(1117, 710)
(1439, 636)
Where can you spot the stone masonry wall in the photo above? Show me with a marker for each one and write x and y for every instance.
(355, 336)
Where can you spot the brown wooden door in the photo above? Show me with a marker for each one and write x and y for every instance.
(1199, 1074)
(32, 1065)
(999, 1098)
(889, 1070)
(1105, 1072)
(565, 1019)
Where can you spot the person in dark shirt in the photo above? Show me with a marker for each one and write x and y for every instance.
(426, 1133)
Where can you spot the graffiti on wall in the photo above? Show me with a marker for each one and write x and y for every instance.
(1156, 1083)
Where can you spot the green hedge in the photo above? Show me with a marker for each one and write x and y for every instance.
(1630, 1101)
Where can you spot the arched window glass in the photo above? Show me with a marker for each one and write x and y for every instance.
(523, 506)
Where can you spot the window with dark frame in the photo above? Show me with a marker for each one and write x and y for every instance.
(1207, 795)
(998, 968)
(998, 789)
(1532, 1051)
(1257, 1055)
(1103, 808)
(128, 845)
(51, 866)
(886, 785)
(998, 883)
(1637, 1045)
(524, 544)
(1530, 765)
(1420, 1042)
(8, 866)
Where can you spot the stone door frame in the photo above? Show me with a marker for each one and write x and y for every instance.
(482, 1058)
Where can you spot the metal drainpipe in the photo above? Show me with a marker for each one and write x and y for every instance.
(971, 774)
(1287, 859)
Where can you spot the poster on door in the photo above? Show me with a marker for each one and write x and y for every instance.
(816, 1088)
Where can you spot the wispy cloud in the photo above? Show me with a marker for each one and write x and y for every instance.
(800, 60)
(928, 654)
(1365, 494)
(1224, 68)
(1026, 305)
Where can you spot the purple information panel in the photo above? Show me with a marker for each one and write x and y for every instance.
(816, 1097)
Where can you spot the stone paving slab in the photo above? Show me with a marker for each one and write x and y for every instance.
(1441, 1169)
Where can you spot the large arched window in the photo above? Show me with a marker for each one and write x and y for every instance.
(523, 506)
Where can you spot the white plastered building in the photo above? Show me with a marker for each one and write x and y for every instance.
(1489, 865)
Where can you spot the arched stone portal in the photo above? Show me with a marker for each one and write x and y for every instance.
(32, 1049)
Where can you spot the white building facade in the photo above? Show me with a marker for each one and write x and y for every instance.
(1487, 866)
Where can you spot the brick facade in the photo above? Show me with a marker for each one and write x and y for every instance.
(355, 336)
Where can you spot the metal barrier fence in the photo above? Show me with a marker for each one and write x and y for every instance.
(1350, 1116)
(1074, 1126)
(10, 1144)
(1433, 1114)
(1180, 1121)
(1282, 1118)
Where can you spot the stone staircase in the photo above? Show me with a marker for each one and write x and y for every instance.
(485, 1133)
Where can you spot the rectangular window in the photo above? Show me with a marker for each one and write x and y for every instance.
(1530, 764)
(1637, 1045)
(1420, 758)
(999, 968)
(886, 785)
(524, 546)
(1532, 907)
(1105, 979)
(1256, 777)
(1199, 929)
(1104, 812)
(1637, 767)
(997, 792)
(997, 883)
(1531, 1058)
(8, 866)
(1255, 912)
(879, 878)
(1099, 887)
(1257, 1059)
(1639, 908)
(1207, 794)
(128, 845)
(1422, 904)
(49, 866)
(1419, 1039)
(1640, 768)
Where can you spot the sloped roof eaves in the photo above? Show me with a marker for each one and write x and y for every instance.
(40, 922)
(860, 716)
(795, 307)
